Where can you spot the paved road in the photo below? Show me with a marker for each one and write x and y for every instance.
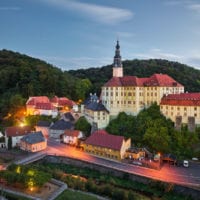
(180, 175)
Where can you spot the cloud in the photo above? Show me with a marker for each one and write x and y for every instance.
(158, 53)
(12, 8)
(122, 34)
(194, 7)
(103, 14)
(192, 60)
(75, 62)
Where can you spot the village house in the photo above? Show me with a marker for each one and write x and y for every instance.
(72, 137)
(15, 133)
(40, 105)
(43, 126)
(103, 144)
(63, 103)
(135, 153)
(59, 127)
(33, 142)
(182, 109)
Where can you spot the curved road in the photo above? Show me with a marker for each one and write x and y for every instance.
(179, 175)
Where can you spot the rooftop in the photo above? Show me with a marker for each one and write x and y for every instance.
(34, 138)
(102, 139)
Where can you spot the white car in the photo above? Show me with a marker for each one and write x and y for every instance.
(185, 163)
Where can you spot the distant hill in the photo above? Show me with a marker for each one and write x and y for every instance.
(184, 74)
(22, 76)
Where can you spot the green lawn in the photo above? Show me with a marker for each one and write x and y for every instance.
(74, 195)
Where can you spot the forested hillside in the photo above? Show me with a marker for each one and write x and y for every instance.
(22, 76)
(184, 74)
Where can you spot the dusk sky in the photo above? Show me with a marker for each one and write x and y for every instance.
(72, 34)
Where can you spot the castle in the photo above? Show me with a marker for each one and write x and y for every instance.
(131, 94)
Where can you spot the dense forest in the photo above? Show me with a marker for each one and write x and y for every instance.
(22, 76)
(184, 74)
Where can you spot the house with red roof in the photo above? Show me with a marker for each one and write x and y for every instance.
(101, 143)
(71, 137)
(40, 105)
(15, 133)
(182, 108)
(131, 94)
(63, 103)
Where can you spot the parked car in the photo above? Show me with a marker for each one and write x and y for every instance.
(185, 163)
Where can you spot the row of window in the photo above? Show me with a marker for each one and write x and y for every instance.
(178, 114)
(102, 154)
(178, 108)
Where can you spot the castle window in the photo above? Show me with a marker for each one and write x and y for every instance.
(116, 93)
(106, 93)
(185, 108)
(129, 94)
(195, 108)
(178, 108)
(129, 102)
(195, 114)
(117, 102)
(155, 94)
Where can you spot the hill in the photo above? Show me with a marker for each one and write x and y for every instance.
(22, 76)
(184, 74)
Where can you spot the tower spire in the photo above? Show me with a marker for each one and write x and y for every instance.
(117, 63)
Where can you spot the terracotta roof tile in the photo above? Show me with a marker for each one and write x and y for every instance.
(154, 80)
(72, 133)
(44, 106)
(14, 131)
(102, 139)
(36, 99)
(183, 99)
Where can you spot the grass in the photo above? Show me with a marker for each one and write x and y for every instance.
(74, 195)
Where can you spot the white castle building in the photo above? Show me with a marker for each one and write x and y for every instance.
(131, 94)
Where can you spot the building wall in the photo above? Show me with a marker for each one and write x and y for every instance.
(56, 133)
(102, 151)
(99, 117)
(33, 147)
(15, 141)
(172, 111)
(133, 99)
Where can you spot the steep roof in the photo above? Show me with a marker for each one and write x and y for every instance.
(72, 133)
(154, 80)
(183, 99)
(44, 106)
(62, 101)
(34, 138)
(102, 139)
(14, 131)
(61, 125)
(37, 99)
(69, 116)
(96, 106)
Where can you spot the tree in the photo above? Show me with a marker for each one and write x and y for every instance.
(9, 142)
(83, 125)
(157, 137)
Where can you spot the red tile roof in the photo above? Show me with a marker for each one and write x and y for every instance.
(40, 99)
(154, 80)
(62, 101)
(72, 133)
(14, 131)
(44, 106)
(183, 99)
(102, 139)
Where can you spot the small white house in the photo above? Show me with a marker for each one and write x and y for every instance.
(16, 133)
(72, 136)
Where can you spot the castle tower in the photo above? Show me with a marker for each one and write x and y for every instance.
(117, 63)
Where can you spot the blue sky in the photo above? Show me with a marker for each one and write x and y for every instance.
(72, 34)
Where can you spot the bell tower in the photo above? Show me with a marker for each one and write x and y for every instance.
(117, 63)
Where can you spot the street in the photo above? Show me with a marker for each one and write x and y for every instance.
(168, 173)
